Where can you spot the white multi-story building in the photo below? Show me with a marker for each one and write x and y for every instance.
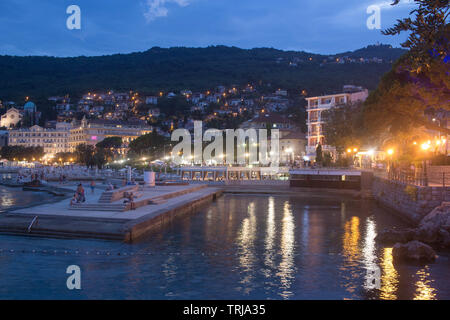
(66, 136)
(91, 132)
(52, 140)
(317, 105)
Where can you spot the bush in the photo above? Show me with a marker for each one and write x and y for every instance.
(411, 192)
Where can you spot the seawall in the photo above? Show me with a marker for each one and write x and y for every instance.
(411, 202)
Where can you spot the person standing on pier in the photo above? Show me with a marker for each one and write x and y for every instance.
(92, 186)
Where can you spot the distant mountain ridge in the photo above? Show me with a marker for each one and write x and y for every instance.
(180, 68)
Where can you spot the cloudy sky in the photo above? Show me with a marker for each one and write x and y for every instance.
(30, 27)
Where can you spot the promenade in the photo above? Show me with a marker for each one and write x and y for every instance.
(155, 207)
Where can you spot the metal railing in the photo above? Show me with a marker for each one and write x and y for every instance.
(420, 177)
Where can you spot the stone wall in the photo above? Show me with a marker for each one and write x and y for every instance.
(411, 202)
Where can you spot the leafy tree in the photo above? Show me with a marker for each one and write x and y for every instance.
(66, 156)
(110, 143)
(109, 146)
(151, 144)
(20, 153)
(428, 30)
(85, 154)
(100, 157)
(419, 80)
(344, 126)
(327, 159)
(319, 154)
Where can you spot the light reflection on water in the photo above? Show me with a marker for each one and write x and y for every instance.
(12, 197)
(424, 285)
(389, 276)
(239, 247)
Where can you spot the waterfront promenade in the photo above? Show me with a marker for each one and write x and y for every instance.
(159, 205)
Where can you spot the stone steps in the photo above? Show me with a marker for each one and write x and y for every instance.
(120, 207)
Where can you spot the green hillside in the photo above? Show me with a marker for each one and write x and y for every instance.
(194, 68)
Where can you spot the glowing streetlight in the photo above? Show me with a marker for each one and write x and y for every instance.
(390, 152)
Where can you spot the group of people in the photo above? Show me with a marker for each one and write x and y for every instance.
(79, 195)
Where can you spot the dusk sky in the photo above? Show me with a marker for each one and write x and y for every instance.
(29, 27)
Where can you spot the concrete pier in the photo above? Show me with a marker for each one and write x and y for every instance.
(157, 207)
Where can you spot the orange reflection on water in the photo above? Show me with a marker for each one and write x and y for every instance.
(351, 251)
(389, 276)
(424, 290)
(351, 239)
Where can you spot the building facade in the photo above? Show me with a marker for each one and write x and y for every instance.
(91, 132)
(317, 105)
(52, 140)
(65, 137)
(11, 118)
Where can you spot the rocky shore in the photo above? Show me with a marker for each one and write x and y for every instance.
(432, 232)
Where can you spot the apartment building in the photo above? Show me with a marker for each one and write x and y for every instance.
(317, 105)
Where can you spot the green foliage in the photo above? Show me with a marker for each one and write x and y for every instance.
(180, 68)
(411, 191)
(327, 159)
(85, 154)
(151, 144)
(343, 162)
(66, 156)
(344, 126)
(319, 154)
(174, 106)
(100, 157)
(110, 142)
(20, 153)
(428, 30)
(419, 81)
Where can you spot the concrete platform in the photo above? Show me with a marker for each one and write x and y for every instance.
(55, 219)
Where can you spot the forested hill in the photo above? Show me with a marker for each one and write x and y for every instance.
(192, 68)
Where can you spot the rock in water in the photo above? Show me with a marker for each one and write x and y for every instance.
(392, 235)
(438, 218)
(435, 227)
(413, 250)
